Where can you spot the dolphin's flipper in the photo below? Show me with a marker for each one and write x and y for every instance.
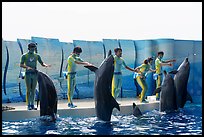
(38, 100)
(115, 104)
(188, 97)
(173, 72)
(91, 68)
(158, 90)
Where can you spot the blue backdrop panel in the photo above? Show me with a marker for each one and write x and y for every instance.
(24, 43)
(43, 50)
(128, 54)
(12, 89)
(110, 44)
(144, 49)
(96, 57)
(197, 82)
(134, 53)
(5, 62)
(4, 58)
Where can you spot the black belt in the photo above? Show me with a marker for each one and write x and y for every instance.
(117, 73)
(160, 74)
(30, 72)
(70, 73)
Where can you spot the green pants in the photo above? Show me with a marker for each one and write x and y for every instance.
(116, 85)
(143, 85)
(158, 84)
(31, 82)
(71, 84)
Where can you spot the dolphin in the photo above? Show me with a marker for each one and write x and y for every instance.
(181, 81)
(104, 101)
(136, 111)
(47, 96)
(168, 94)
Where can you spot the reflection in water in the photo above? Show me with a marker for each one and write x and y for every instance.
(103, 128)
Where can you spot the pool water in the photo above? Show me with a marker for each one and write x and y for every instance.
(186, 121)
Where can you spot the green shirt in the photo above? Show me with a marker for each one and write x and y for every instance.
(118, 62)
(30, 60)
(144, 68)
(71, 62)
(158, 66)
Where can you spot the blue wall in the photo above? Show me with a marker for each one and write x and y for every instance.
(134, 53)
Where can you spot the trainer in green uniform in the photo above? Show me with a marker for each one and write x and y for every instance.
(29, 62)
(117, 75)
(140, 76)
(158, 66)
(72, 60)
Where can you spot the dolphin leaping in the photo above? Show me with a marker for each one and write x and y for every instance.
(47, 96)
(181, 81)
(168, 94)
(104, 101)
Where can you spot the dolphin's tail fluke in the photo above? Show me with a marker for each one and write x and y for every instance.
(91, 68)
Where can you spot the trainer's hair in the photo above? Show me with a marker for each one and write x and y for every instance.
(149, 59)
(145, 61)
(77, 50)
(160, 52)
(117, 49)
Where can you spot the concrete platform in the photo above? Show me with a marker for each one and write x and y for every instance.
(85, 108)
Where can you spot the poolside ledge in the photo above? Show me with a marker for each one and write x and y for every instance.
(85, 108)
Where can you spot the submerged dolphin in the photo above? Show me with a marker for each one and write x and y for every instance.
(136, 111)
(181, 81)
(104, 101)
(168, 94)
(47, 96)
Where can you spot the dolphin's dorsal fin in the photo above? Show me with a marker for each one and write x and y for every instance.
(173, 72)
(134, 105)
(136, 111)
(91, 68)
